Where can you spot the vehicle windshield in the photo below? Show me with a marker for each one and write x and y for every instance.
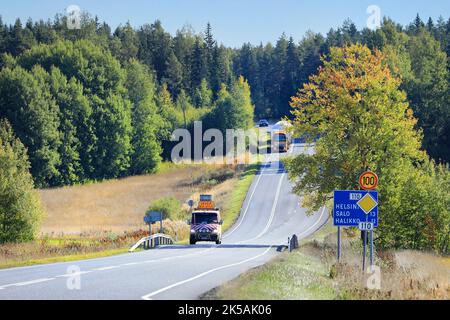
(280, 137)
(204, 218)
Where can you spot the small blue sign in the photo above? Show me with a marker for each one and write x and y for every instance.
(348, 213)
(152, 217)
(205, 197)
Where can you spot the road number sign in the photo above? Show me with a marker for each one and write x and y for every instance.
(365, 226)
(368, 180)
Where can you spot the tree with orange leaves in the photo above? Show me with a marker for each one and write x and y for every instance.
(360, 120)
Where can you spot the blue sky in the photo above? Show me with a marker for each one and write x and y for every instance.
(234, 21)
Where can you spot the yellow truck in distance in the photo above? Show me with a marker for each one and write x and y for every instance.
(281, 141)
(205, 222)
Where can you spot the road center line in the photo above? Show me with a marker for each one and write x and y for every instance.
(151, 294)
(272, 212)
(246, 209)
(74, 274)
(106, 268)
(249, 200)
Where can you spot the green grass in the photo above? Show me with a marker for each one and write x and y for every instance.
(66, 258)
(231, 212)
(167, 166)
(290, 276)
(296, 275)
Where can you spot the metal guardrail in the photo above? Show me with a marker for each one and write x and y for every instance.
(152, 241)
(292, 243)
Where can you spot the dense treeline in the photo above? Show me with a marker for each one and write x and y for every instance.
(418, 54)
(89, 107)
(95, 103)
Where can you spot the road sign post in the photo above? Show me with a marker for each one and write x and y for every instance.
(339, 244)
(356, 208)
(371, 250)
(365, 247)
(151, 217)
(191, 204)
(368, 181)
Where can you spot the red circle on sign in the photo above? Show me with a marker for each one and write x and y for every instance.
(368, 180)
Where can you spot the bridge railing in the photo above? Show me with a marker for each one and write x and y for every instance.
(292, 243)
(152, 241)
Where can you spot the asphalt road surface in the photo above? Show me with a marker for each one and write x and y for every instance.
(270, 214)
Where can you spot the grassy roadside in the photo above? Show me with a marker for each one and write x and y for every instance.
(70, 248)
(288, 276)
(66, 258)
(50, 250)
(311, 272)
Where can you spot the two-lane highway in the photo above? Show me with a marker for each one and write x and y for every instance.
(270, 214)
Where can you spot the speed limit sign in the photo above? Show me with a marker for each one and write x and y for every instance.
(368, 180)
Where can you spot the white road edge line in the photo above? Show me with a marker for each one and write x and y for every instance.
(249, 200)
(179, 256)
(151, 294)
(251, 196)
(317, 221)
(272, 212)
(98, 269)
(25, 283)
(274, 205)
(246, 209)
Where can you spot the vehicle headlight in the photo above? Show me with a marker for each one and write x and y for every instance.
(215, 231)
(192, 231)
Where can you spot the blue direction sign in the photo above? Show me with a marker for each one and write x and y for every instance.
(152, 217)
(353, 206)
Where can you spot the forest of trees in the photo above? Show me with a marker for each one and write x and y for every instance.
(95, 103)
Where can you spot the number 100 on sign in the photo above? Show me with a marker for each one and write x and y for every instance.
(368, 180)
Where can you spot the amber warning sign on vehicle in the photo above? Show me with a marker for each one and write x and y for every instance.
(206, 205)
(368, 180)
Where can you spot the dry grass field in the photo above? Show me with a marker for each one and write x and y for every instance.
(114, 205)
(107, 217)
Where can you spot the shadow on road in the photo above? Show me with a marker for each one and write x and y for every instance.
(220, 246)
